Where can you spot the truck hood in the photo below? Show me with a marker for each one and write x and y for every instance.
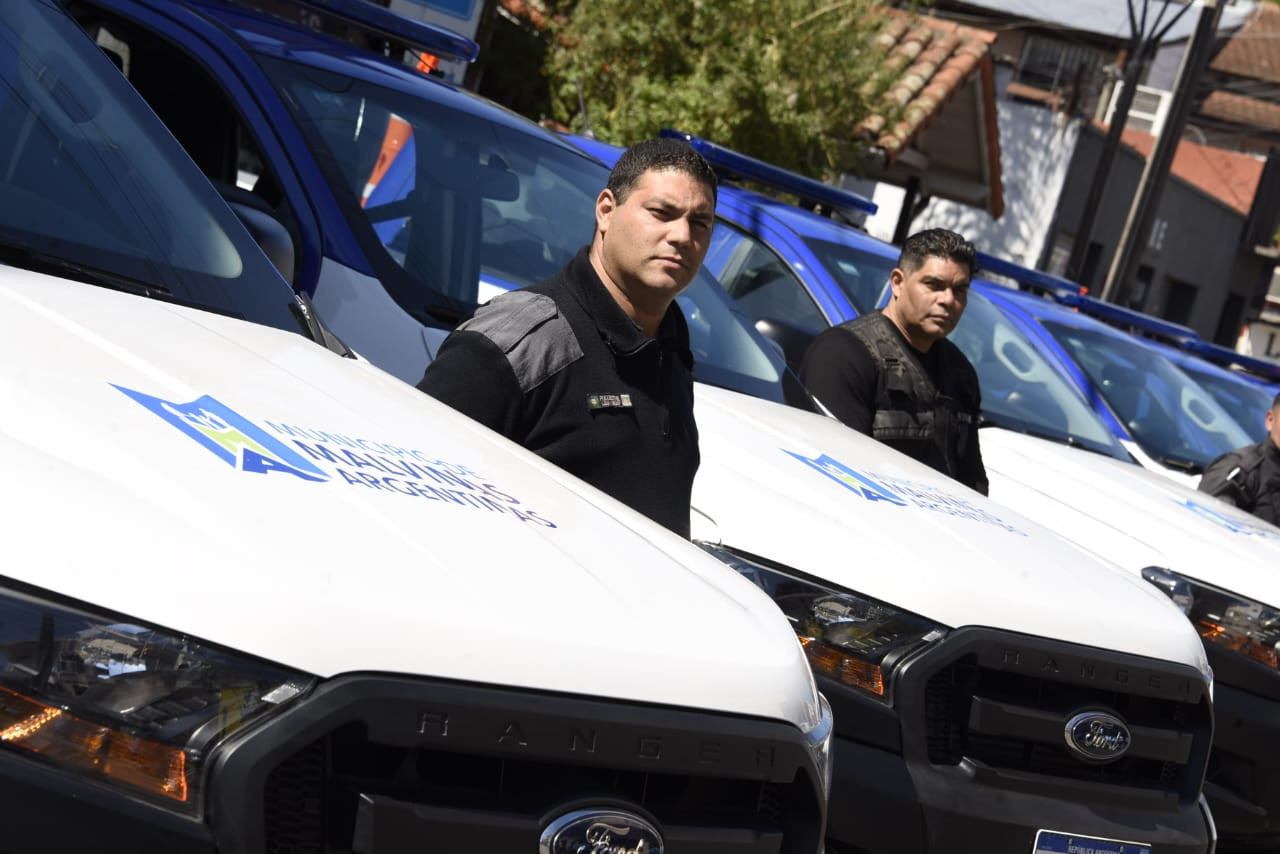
(242, 485)
(804, 491)
(1136, 517)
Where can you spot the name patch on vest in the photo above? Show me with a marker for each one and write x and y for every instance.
(608, 401)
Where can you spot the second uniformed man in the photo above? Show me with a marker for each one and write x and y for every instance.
(591, 369)
(893, 375)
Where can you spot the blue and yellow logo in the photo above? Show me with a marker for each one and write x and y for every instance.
(854, 481)
(229, 436)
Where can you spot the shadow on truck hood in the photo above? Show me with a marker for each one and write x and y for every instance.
(1135, 516)
(245, 486)
(805, 491)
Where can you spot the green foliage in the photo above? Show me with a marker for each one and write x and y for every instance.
(782, 80)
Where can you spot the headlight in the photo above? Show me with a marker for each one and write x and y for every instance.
(847, 637)
(121, 703)
(1225, 619)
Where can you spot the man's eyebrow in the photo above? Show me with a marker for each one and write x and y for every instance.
(670, 204)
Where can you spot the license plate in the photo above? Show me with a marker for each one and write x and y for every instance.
(1052, 842)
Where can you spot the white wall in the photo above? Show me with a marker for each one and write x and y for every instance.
(1036, 145)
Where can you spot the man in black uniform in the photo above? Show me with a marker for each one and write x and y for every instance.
(1249, 477)
(591, 369)
(893, 375)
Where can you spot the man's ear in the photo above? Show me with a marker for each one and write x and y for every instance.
(896, 278)
(605, 206)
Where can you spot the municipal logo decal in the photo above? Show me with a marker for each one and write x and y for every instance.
(900, 492)
(1235, 524)
(229, 436)
(323, 456)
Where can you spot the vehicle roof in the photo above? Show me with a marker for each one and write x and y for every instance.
(736, 198)
(265, 35)
(1041, 308)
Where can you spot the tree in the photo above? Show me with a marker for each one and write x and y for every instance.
(785, 81)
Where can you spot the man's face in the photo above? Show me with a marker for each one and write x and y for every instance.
(1273, 425)
(652, 244)
(929, 301)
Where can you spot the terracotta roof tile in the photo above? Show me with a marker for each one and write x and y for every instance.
(928, 61)
(1242, 110)
(1254, 51)
(1231, 177)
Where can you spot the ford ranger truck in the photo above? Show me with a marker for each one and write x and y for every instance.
(259, 596)
(817, 515)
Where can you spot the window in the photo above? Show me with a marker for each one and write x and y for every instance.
(1053, 67)
(759, 281)
(197, 112)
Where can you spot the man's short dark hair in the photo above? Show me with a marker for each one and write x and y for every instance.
(939, 243)
(661, 154)
(1276, 402)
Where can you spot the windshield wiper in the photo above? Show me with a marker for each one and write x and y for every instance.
(1188, 466)
(305, 313)
(21, 255)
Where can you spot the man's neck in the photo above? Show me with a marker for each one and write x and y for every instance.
(920, 343)
(647, 317)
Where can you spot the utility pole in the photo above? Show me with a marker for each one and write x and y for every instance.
(1141, 48)
(1137, 227)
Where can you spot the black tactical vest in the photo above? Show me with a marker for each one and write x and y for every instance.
(912, 415)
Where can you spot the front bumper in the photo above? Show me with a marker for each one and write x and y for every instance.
(972, 756)
(381, 765)
(1242, 784)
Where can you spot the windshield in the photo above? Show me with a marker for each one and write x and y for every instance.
(1173, 419)
(93, 188)
(1244, 400)
(449, 206)
(862, 275)
(727, 350)
(1020, 389)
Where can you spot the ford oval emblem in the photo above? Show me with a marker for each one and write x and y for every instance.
(600, 831)
(1097, 736)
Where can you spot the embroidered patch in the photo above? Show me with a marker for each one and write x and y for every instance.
(608, 401)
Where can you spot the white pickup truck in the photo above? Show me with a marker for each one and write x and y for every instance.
(259, 596)
(994, 687)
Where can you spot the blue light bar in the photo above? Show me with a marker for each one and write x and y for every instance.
(1175, 332)
(420, 35)
(1037, 279)
(1226, 356)
(742, 166)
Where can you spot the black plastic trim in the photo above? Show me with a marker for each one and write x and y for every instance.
(45, 809)
(480, 720)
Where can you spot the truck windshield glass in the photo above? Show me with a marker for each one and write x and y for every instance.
(1170, 416)
(93, 188)
(727, 349)
(448, 205)
(1022, 391)
(863, 276)
(1245, 400)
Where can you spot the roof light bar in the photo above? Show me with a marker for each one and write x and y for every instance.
(1226, 356)
(1174, 332)
(384, 23)
(1046, 282)
(742, 166)
(1069, 293)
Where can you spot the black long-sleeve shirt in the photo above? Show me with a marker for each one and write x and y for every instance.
(842, 373)
(562, 370)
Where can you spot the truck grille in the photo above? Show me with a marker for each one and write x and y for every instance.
(1002, 702)
(361, 784)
